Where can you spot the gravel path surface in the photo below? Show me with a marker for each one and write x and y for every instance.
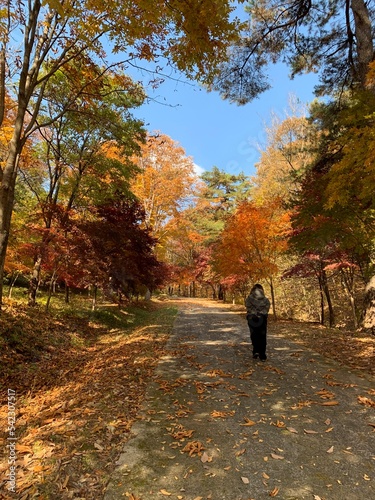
(218, 425)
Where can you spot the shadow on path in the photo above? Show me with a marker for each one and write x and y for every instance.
(218, 425)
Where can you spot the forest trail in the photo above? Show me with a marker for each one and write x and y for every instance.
(218, 425)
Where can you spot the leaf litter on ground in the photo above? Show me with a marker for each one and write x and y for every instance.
(79, 385)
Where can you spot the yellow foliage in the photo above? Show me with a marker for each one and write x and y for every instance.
(164, 182)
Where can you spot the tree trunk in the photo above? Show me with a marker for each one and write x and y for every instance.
(51, 289)
(354, 310)
(6, 208)
(273, 301)
(213, 290)
(328, 297)
(363, 36)
(369, 307)
(94, 297)
(348, 280)
(12, 283)
(322, 318)
(35, 280)
(7, 183)
(67, 294)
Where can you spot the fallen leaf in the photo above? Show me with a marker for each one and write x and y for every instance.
(324, 394)
(266, 476)
(291, 429)
(182, 433)
(246, 375)
(366, 477)
(274, 492)
(193, 447)
(277, 457)
(307, 431)
(366, 401)
(278, 423)
(301, 404)
(39, 468)
(248, 422)
(200, 388)
(330, 403)
(330, 450)
(206, 458)
(240, 452)
(222, 414)
(23, 449)
(166, 493)
(131, 496)
(245, 480)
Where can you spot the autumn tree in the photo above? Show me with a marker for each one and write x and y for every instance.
(120, 251)
(333, 234)
(286, 156)
(85, 152)
(50, 37)
(164, 182)
(332, 38)
(253, 238)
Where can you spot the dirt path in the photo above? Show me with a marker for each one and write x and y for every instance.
(218, 425)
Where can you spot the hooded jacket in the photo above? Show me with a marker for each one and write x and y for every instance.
(257, 303)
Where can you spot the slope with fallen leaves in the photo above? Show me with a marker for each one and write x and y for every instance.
(79, 381)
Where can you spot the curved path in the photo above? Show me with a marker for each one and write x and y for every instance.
(218, 425)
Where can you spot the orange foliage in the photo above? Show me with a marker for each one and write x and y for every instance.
(252, 240)
(164, 182)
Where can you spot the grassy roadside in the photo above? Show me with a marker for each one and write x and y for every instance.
(79, 379)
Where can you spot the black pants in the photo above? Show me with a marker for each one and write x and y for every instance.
(258, 334)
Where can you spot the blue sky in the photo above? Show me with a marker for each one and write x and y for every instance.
(213, 131)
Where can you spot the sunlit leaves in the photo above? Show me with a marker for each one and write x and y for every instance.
(251, 241)
(164, 182)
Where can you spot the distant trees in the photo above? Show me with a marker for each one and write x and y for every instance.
(198, 228)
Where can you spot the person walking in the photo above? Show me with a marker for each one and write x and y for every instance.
(257, 306)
